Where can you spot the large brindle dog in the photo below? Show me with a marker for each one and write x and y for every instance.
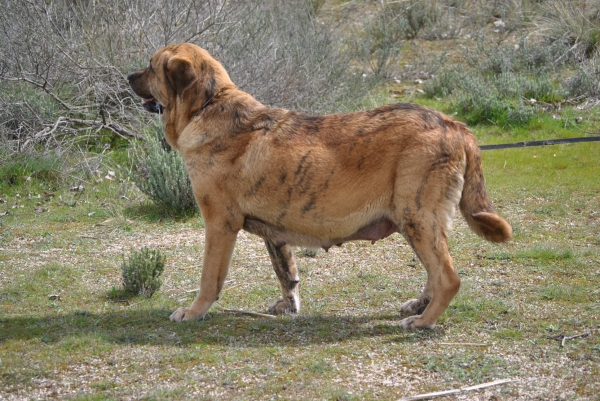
(316, 181)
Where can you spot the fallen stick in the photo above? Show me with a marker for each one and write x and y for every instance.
(562, 344)
(245, 312)
(456, 391)
(87, 236)
(466, 344)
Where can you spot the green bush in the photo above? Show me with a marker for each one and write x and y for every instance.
(585, 82)
(480, 102)
(502, 99)
(141, 272)
(161, 175)
(538, 87)
(525, 57)
(444, 83)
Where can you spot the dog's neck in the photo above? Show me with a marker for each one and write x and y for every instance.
(223, 106)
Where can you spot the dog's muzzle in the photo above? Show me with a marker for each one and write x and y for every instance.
(149, 103)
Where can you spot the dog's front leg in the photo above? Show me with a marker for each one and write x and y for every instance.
(219, 244)
(284, 263)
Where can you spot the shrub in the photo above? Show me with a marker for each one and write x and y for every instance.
(282, 56)
(502, 99)
(525, 57)
(585, 82)
(141, 272)
(577, 21)
(309, 253)
(538, 87)
(162, 176)
(444, 83)
(395, 22)
(64, 64)
(480, 102)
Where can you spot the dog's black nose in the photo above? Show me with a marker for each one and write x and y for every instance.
(129, 76)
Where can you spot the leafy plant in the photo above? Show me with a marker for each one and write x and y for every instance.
(162, 175)
(141, 272)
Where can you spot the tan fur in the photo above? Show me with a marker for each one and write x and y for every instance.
(300, 180)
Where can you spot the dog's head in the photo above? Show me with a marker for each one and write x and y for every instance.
(180, 79)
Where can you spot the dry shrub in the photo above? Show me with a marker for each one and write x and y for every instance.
(576, 21)
(64, 62)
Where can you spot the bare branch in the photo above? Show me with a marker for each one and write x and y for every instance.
(456, 391)
(111, 126)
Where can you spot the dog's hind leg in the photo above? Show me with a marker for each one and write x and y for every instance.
(219, 244)
(284, 263)
(427, 237)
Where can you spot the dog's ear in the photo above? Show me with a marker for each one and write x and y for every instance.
(181, 73)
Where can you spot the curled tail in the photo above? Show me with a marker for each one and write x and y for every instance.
(475, 204)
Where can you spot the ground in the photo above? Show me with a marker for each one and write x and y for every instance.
(63, 336)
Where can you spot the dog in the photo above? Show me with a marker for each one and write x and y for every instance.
(316, 181)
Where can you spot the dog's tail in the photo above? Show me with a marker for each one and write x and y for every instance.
(475, 203)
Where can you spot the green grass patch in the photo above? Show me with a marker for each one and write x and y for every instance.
(466, 366)
(539, 252)
(20, 168)
(558, 169)
(565, 292)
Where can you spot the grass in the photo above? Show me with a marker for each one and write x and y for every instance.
(64, 335)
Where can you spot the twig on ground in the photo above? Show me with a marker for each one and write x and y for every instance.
(562, 338)
(562, 344)
(466, 344)
(243, 312)
(456, 391)
(133, 304)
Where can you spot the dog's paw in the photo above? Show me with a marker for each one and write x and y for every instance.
(414, 306)
(183, 314)
(283, 306)
(412, 323)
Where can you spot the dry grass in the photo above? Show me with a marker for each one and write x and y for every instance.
(61, 336)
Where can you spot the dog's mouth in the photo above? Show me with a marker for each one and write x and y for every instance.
(152, 105)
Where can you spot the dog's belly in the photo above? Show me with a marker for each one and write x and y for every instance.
(373, 231)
